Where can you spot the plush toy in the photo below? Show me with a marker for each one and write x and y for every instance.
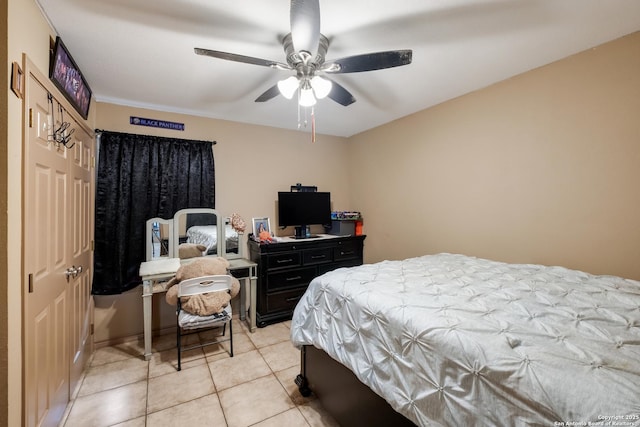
(204, 304)
(265, 236)
(190, 250)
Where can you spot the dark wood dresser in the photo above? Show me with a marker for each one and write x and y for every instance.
(286, 268)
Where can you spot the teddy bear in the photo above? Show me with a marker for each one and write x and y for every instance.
(190, 250)
(203, 304)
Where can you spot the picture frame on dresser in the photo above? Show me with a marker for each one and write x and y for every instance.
(261, 224)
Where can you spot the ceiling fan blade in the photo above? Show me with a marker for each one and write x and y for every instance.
(368, 62)
(242, 58)
(340, 94)
(270, 93)
(305, 25)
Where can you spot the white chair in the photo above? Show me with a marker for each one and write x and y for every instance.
(188, 323)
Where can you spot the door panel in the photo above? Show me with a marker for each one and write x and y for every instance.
(40, 365)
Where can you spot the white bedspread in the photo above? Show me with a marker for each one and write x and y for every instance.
(459, 341)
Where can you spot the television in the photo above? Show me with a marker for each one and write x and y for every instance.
(67, 77)
(303, 208)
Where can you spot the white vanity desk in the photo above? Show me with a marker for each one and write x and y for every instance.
(163, 238)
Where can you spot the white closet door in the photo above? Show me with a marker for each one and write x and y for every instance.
(58, 260)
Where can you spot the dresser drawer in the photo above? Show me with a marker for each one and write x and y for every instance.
(346, 250)
(317, 256)
(284, 301)
(291, 278)
(286, 259)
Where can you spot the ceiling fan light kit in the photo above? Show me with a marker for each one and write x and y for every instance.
(305, 49)
(306, 96)
(288, 86)
(321, 87)
(310, 89)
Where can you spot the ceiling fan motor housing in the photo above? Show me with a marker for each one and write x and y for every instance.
(301, 61)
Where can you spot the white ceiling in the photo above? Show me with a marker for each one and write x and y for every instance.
(140, 52)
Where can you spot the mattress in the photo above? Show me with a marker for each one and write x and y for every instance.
(454, 340)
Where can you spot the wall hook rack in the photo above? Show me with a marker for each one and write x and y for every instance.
(61, 134)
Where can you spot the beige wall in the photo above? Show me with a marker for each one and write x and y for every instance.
(252, 164)
(541, 168)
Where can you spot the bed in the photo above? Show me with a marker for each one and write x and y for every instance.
(454, 340)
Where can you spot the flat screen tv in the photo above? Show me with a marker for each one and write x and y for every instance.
(302, 208)
(67, 77)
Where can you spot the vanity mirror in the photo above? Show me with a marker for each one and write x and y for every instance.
(197, 225)
(159, 235)
(206, 227)
(232, 243)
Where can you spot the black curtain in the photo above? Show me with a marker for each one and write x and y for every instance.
(141, 177)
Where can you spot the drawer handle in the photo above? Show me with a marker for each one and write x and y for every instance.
(347, 252)
(318, 256)
(292, 299)
(280, 261)
(289, 279)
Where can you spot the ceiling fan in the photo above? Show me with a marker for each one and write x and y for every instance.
(305, 48)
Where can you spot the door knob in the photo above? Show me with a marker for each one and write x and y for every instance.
(73, 271)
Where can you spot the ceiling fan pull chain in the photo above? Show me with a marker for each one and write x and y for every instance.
(306, 119)
(313, 125)
(299, 123)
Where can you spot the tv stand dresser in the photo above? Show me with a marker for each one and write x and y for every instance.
(286, 267)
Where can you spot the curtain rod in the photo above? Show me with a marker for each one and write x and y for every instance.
(194, 140)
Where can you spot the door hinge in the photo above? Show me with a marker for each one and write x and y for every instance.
(93, 161)
(92, 245)
(30, 117)
(92, 329)
(30, 283)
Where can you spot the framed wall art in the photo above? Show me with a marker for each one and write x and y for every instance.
(67, 77)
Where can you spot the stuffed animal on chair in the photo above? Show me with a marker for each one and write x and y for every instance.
(204, 304)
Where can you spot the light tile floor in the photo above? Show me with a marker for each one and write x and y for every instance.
(254, 388)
